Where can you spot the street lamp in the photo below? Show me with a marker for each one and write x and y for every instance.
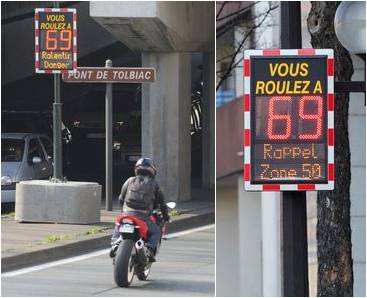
(350, 26)
(350, 29)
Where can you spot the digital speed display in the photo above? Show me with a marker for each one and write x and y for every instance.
(288, 135)
(55, 40)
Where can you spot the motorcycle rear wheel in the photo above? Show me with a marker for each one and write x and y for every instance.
(123, 266)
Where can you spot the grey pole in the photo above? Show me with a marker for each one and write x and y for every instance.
(57, 170)
(109, 121)
(57, 135)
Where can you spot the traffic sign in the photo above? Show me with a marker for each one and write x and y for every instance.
(55, 40)
(110, 75)
(289, 120)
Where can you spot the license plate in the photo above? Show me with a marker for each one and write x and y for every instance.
(126, 229)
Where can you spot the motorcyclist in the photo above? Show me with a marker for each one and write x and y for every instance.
(141, 194)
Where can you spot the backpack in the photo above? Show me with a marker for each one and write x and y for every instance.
(140, 194)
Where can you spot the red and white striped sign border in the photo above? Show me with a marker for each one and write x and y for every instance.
(37, 34)
(247, 120)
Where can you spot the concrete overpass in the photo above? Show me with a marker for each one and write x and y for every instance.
(167, 33)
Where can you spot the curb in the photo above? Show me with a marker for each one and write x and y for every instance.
(89, 245)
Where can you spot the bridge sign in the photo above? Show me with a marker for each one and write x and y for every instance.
(289, 120)
(55, 40)
(110, 75)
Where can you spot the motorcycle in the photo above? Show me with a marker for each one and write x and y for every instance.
(131, 257)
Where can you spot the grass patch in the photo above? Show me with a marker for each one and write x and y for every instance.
(94, 231)
(8, 209)
(7, 215)
(53, 238)
(173, 212)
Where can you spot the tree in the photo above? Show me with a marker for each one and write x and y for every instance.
(228, 18)
(334, 248)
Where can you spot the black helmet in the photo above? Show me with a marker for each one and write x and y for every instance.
(145, 166)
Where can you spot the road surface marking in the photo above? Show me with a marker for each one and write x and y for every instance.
(178, 234)
(91, 255)
(55, 263)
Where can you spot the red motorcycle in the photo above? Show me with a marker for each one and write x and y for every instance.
(131, 256)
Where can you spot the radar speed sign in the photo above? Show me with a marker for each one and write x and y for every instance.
(55, 40)
(288, 116)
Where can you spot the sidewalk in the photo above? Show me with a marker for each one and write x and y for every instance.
(27, 244)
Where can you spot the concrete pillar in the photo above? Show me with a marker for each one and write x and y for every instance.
(227, 248)
(271, 258)
(357, 139)
(166, 106)
(249, 220)
(208, 115)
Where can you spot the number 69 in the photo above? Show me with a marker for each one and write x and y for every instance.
(316, 117)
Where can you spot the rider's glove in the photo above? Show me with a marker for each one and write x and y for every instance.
(167, 218)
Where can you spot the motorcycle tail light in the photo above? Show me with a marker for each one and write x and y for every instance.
(127, 220)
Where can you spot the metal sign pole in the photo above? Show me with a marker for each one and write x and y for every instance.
(57, 135)
(109, 122)
(294, 257)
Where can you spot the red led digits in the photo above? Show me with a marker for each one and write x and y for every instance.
(276, 117)
(316, 116)
(65, 36)
(53, 39)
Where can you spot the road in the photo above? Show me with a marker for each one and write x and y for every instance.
(185, 267)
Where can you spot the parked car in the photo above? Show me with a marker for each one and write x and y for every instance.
(36, 122)
(24, 156)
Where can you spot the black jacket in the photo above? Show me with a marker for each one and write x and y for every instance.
(155, 198)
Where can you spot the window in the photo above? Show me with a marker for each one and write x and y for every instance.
(12, 150)
(35, 150)
(48, 147)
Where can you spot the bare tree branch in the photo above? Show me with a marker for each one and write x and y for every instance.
(244, 9)
(224, 58)
(221, 30)
(233, 63)
(221, 9)
(241, 15)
